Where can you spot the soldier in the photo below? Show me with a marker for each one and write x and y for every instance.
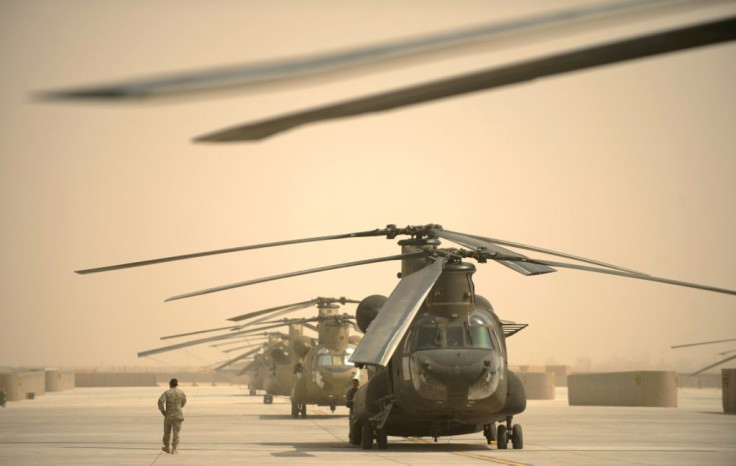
(170, 404)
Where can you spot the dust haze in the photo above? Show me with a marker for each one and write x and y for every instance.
(632, 164)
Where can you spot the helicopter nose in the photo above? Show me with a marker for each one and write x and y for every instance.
(335, 377)
(456, 367)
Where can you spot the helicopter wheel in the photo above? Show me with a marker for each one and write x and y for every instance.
(381, 439)
(294, 409)
(355, 432)
(489, 432)
(303, 409)
(267, 399)
(367, 436)
(332, 408)
(502, 437)
(252, 392)
(517, 437)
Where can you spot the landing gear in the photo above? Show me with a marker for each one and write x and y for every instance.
(381, 439)
(267, 399)
(509, 432)
(298, 408)
(252, 391)
(367, 436)
(489, 432)
(332, 408)
(356, 431)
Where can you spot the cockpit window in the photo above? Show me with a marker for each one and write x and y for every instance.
(480, 337)
(426, 337)
(454, 336)
(324, 360)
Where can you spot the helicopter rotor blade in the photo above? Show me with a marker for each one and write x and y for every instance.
(537, 27)
(230, 350)
(311, 327)
(525, 268)
(633, 275)
(295, 274)
(552, 253)
(390, 325)
(714, 365)
(628, 49)
(238, 358)
(198, 332)
(296, 306)
(702, 343)
(185, 344)
(128, 265)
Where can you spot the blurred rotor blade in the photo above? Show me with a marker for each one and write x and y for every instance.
(536, 28)
(128, 265)
(714, 365)
(295, 274)
(524, 268)
(199, 332)
(390, 325)
(633, 275)
(296, 306)
(294, 321)
(553, 253)
(629, 49)
(236, 359)
(702, 343)
(246, 339)
(273, 316)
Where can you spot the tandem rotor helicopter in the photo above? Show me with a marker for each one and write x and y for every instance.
(434, 350)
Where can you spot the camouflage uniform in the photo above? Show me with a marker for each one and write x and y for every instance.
(170, 404)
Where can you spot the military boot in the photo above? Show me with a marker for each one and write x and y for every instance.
(174, 451)
(165, 449)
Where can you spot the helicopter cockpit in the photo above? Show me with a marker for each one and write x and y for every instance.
(474, 332)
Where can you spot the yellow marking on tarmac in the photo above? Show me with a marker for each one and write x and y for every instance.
(471, 455)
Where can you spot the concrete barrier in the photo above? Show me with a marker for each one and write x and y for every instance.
(538, 385)
(635, 388)
(728, 377)
(560, 371)
(23, 385)
(110, 379)
(57, 381)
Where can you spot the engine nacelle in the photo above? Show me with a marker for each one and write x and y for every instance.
(368, 309)
(302, 345)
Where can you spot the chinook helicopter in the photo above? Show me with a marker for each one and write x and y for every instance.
(435, 351)
(311, 372)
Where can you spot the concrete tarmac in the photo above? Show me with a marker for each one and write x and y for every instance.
(122, 426)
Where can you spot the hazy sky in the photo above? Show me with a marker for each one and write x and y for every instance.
(632, 164)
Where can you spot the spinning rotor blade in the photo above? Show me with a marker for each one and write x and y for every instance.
(551, 252)
(236, 359)
(259, 345)
(633, 275)
(199, 332)
(390, 325)
(714, 365)
(128, 265)
(462, 239)
(295, 274)
(702, 343)
(629, 49)
(421, 48)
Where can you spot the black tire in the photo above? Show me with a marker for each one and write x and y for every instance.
(294, 409)
(502, 437)
(381, 439)
(367, 436)
(303, 409)
(517, 437)
(489, 432)
(355, 432)
(332, 408)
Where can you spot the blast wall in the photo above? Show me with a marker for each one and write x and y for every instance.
(23, 385)
(110, 379)
(57, 381)
(728, 377)
(538, 385)
(634, 388)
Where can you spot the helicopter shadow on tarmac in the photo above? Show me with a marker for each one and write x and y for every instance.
(302, 448)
